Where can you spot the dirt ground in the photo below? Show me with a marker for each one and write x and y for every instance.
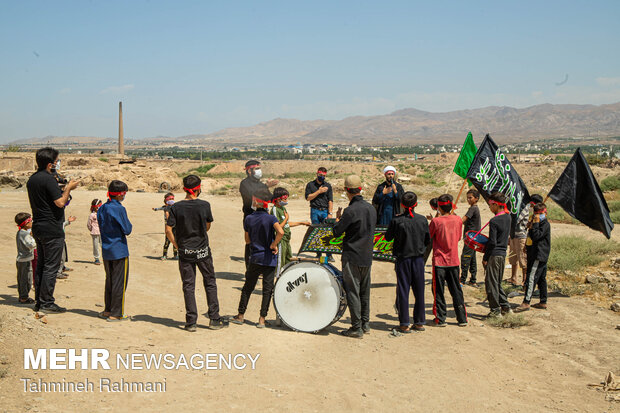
(542, 367)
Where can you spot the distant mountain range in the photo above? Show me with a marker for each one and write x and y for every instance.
(411, 126)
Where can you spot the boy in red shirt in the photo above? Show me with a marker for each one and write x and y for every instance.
(446, 232)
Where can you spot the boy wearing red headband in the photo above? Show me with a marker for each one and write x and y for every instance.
(471, 222)
(263, 233)
(168, 202)
(93, 227)
(411, 237)
(494, 258)
(114, 227)
(280, 200)
(191, 220)
(26, 246)
(538, 246)
(445, 233)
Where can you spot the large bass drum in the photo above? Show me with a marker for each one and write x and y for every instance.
(309, 297)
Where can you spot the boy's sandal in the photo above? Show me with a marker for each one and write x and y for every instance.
(102, 315)
(26, 301)
(123, 318)
(235, 321)
(267, 323)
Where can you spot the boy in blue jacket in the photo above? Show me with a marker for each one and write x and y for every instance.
(114, 227)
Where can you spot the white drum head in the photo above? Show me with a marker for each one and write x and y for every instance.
(307, 297)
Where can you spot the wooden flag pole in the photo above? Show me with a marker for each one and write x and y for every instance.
(545, 201)
(461, 191)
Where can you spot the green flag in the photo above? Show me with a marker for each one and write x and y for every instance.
(468, 151)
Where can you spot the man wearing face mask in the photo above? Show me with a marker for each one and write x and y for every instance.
(47, 202)
(319, 193)
(387, 198)
(250, 186)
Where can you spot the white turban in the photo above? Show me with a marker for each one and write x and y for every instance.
(388, 169)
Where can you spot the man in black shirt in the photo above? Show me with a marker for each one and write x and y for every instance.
(48, 202)
(250, 186)
(319, 193)
(411, 237)
(192, 219)
(358, 223)
(494, 258)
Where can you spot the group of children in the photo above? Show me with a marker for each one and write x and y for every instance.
(413, 238)
(268, 235)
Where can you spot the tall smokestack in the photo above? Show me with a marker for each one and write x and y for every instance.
(121, 143)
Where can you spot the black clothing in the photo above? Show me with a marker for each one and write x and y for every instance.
(376, 199)
(189, 218)
(47, 218)
(410, 276)
(251, 278)
(472, 223)
(449, 276)
(322, 200)
(248, 187)
(49, 254)
(494, 275)
(358, 223)
(410, 235)
(540, 234)
(536, 276)
(356, 280)
(468, 264)
(499, 230)
(116, 276)
(188, 277)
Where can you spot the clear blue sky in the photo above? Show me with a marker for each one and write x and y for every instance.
(188, 67)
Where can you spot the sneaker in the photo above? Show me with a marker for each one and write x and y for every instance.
(53, 308)
(97, 262)
(540, 306)
(366, 328)
(494, 314)
(163, 258)
(353, 333)
(506, 311)
(439, 323)
(522, 307)
(417, 327)
(190, 327)
(218, 324)
(62, 277)
(463, 324)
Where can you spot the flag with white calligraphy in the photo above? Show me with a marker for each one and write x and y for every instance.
(491, 171)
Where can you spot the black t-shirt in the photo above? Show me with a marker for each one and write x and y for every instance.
(189, 218)
(322, 200)
(473, 220)
(499, 231)
(358, 222)
(248, 187)
(410, 235)
(47, 218)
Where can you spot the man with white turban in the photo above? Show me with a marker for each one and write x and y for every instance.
(387, 197)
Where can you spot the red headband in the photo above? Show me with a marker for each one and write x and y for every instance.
(24, 223)
(410, 209)
(442, 203)
(500, 204)
(192, 190)
(279, 199)
(251, 166)
(321, 173)
(265, 203)
(171, 196)
(97, 205)
(111, 194)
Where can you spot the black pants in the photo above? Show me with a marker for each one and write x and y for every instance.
(188, 276)
(251, 278)
(357, 286)
(116, 276)
(449, 276)
(49, 252)
(410, 276)
(493, 283)
(167, 245)
(468, 264)
(24, 279)
(536, 276)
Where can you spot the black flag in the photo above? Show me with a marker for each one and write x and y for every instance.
(578, 193)
(490, 171)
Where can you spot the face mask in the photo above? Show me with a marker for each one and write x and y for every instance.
(56, 166)
(258, 173)
(542, 216)
(283, 203)
(170, 202)
(320, 178)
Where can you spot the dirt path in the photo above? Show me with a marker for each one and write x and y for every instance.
(543, 367)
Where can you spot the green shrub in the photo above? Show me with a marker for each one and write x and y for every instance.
(557, 214)
(611, 183)
(103, 159)
(614, 205)
(615, 217)
(509, 320)
(202, 169)
(572, 253)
